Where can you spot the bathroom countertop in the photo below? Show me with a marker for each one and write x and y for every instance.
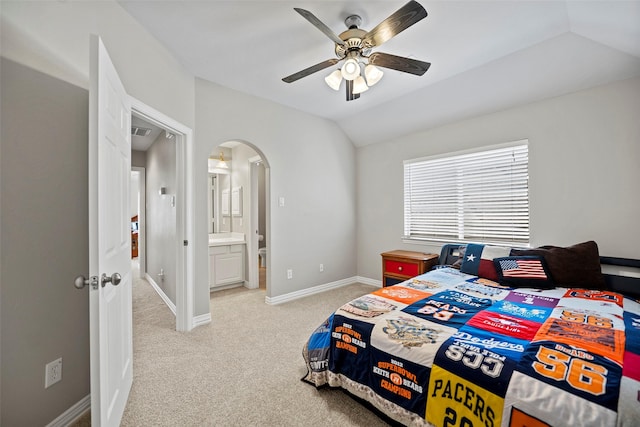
(222, 239)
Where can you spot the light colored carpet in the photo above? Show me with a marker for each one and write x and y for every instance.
(243, 369)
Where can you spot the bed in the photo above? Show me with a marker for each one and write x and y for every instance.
(467, 345)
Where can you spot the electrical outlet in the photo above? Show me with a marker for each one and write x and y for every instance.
(53, 373)
(321, 268)
(289, 274)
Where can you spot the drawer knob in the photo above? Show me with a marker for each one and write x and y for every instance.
(400, 268)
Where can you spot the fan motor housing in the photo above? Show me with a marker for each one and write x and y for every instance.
(353, 41)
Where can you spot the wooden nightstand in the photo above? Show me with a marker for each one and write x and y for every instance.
(399, 265)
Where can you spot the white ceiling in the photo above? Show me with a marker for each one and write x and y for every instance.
(486, 55)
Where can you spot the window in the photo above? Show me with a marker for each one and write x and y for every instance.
(478, 196)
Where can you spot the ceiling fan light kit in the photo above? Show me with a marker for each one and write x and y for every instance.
(354, 47)
(373, 74)
(359, 85)
(334, 79)
(350, 69)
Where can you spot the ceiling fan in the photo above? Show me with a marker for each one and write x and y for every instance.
(354, 47)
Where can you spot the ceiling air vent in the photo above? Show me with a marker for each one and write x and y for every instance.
(137, 131)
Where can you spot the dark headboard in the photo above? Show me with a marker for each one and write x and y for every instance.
(626, 285)
(450, 253)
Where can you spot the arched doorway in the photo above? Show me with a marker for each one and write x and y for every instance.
(238, 207)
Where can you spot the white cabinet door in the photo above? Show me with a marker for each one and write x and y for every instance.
(226, 265)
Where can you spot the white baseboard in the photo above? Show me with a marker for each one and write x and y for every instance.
(72, 414)
(160, 292)
(370, 282)
(203, 319)
(318, 289)
(247, 285)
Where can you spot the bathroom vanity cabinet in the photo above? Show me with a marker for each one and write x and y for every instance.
(226, 264)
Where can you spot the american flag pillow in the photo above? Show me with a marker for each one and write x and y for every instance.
(523, 271)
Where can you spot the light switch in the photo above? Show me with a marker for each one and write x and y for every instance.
(281, 201)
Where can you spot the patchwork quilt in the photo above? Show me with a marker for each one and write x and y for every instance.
(452, 349)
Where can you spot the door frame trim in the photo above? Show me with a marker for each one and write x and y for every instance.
(254, 281)
(185, 212)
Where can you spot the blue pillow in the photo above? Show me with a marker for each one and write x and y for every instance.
(523, 272)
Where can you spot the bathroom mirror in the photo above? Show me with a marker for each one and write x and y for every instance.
(219, 202)
(219, 192)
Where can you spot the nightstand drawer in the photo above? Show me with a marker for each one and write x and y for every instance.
(400, 265)
(409, 269)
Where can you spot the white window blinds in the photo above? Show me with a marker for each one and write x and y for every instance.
(479, 196)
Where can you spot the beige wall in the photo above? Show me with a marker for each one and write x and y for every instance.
(138, 158)
(44, 244)
(240, 177)
(584, 156)
(311, 159)
(53, 37)
(311, 165)
(160, 228)
(43, 316)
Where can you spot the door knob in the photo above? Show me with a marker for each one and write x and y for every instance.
(114, 279)
(80, 282)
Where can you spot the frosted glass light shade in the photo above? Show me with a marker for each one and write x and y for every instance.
(359, 85)
(334, 79)
(350, 69)
(373, 74)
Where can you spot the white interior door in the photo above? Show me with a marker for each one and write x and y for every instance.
(109, 240)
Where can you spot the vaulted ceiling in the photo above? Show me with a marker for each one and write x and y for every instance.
(485, 55)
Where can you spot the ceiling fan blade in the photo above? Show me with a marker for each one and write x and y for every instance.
(313, 69)
(399, 21)
(319, 25)
(399, 63)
